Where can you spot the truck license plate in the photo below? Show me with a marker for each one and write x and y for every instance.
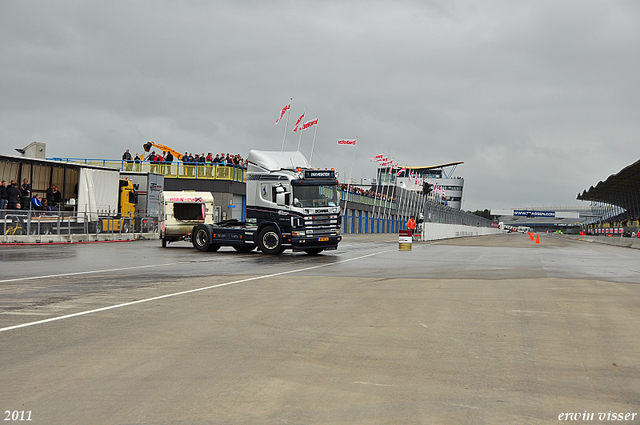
(323, 239)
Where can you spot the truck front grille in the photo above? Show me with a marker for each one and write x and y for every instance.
(321, 225)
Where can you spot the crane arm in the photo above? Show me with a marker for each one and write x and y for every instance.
(175, 153)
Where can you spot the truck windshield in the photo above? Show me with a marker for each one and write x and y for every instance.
(315, 196)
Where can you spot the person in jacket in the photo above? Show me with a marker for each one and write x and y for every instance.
(4, 196)
(13, 196)
(411, 225)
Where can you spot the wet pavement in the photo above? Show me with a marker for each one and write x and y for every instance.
(491, 329)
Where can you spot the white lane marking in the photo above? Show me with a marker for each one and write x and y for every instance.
(90, 272)
(175, 294)
(464, 405)
(371, 383)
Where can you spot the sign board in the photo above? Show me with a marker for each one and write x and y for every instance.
(319, 174)
(531, 213)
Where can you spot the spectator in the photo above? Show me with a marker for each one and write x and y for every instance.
(168, 159)
(127, 157)
(137, 161)
(4, 197)
(209, 161)
(13, 196)
(25, 189)
(36, 203)
(202, 161)
(54, 197)
(153, 160)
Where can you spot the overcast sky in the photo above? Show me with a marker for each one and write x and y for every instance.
(540, 99)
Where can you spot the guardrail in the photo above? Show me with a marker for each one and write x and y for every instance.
(56, 226)
(179, 170)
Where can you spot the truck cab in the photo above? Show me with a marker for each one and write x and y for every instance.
(180, 211)
(293, 205)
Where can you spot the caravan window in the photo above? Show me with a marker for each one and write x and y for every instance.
(188, 212)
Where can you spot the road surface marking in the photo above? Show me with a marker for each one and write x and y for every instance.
(175, 294)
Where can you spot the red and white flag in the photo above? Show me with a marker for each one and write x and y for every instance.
(387, 162)
(284, 110)
(309, 124)
(377, 158)
(347, 142)
(401, 170)
(295, 127)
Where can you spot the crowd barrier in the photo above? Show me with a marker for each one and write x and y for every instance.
(69, 226)
(178, 170)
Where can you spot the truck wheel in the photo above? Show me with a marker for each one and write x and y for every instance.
(201, 238)
(314, 251)
(244, 248)
(270, 241)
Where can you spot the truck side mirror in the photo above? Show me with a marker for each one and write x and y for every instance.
(281, 196)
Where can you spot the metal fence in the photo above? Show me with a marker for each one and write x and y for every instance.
(37, 226)
(390, 217)
(179, 170)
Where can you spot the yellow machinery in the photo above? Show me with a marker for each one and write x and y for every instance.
(126, 210)
(147, 147)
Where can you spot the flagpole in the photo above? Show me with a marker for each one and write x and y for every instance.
(384, 200)
(349, 183)
(375, 198)
(300, 139)
(313, 144)
(286, 126)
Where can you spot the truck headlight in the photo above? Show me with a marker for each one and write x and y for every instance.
(298, 233)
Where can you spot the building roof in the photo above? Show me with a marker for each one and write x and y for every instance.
(612, 190)
(431, 167)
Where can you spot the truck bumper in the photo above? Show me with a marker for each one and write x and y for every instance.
(301, 244)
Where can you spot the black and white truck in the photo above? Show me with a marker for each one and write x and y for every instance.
(288, 206)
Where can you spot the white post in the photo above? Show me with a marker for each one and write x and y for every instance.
(286, 126)
(349, 183)
(313, 145)
(300, 138)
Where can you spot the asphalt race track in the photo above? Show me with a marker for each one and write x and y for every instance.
(485, 330)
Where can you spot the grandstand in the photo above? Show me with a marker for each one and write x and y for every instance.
(621, 193)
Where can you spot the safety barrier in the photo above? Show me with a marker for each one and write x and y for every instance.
(179, 170)
(66, 226)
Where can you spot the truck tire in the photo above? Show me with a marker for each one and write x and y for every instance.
(270, 241)
(201, 237)
(314, 251)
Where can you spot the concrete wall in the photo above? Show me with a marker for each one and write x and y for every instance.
(613, 240)
(434, 231)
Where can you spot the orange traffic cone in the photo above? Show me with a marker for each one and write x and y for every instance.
(530, 235)
(537, 238)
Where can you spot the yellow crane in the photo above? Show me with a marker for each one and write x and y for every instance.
(147, 147)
